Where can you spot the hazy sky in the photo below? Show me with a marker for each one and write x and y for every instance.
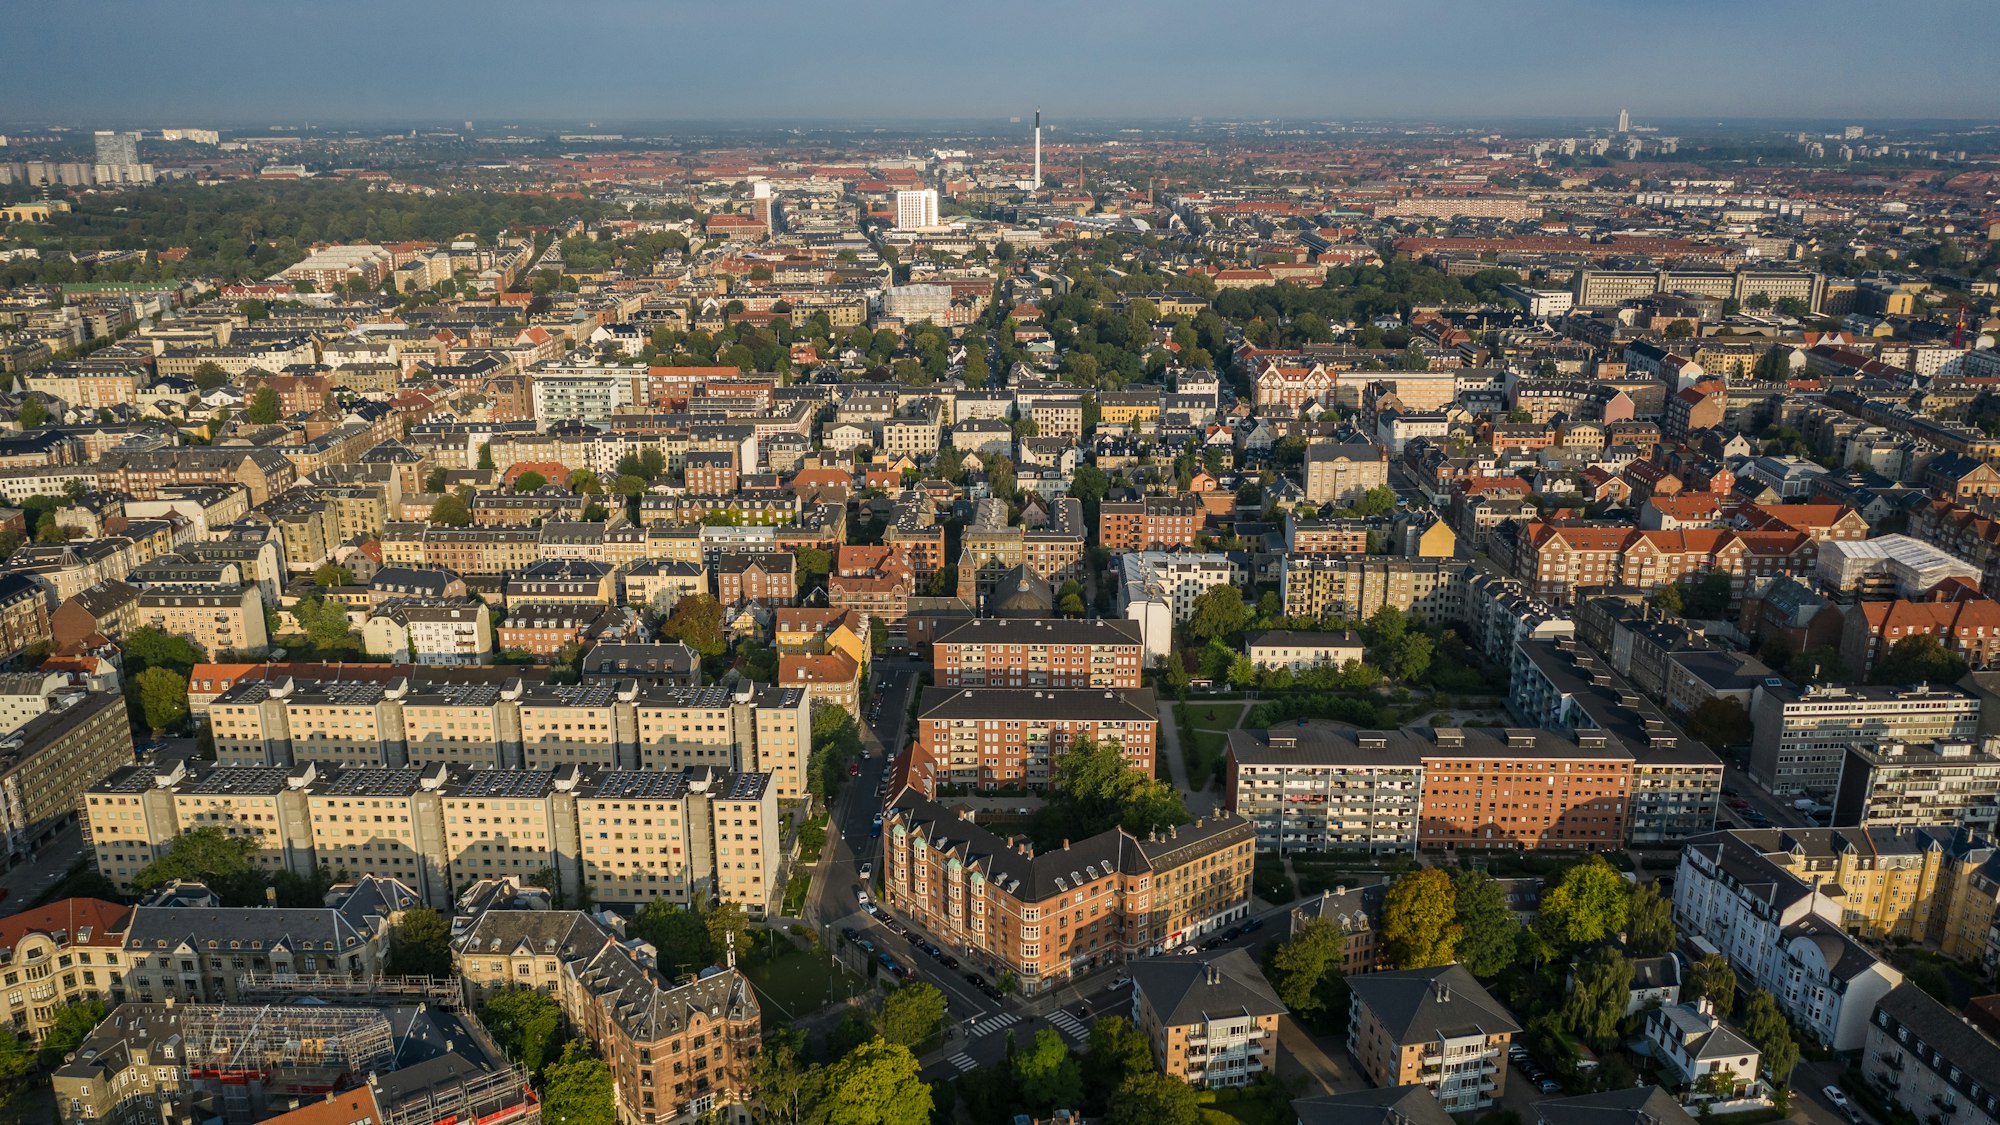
(623, 62)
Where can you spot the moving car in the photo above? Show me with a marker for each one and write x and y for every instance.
(867, 869)
(1121, 982)
(850, 933)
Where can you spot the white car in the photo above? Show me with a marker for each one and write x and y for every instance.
(1838, 1098)
(867, 869)
(1121, 982)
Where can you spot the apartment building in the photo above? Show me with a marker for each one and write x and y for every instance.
(1929, 1060)
(1908, 785)
(64, 953)
(831, 679)
(1337, 473)
(439, 631)
(985, 737)
(1153, 523)
(1044, 916)
(1802, 734)
(1320, 788)
(623, 836)
(1325, 586)
(1038, 652)
(1559, 684)
(219, 620)
(1525, 788)
(1969, 627)
(764, 578)
(48, 762)
(1212, 1019)
(991, 550)
(1435, 1028)
(1157, 590)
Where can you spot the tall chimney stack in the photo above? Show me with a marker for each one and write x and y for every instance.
(1038, 148)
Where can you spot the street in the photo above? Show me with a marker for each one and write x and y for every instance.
(50, 865)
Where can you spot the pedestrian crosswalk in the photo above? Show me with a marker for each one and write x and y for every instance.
(960, 1062)
(988, 1024)
(1068, 1024)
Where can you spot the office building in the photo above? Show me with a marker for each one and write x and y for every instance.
(1802, 734)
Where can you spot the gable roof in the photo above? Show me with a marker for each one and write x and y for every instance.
(1422, 1004)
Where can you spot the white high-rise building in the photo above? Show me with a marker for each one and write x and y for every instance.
(916, 209)
(117, 148)
(1624, 120)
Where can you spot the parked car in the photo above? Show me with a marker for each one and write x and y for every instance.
(931, 950)
(1121, 982)
(867, 869)
(1838, 1097)
(1253, 925)
(888, 962)
(851, 934)
(861, 896)
(865, 945)
(948, 961)
(1548, 1086)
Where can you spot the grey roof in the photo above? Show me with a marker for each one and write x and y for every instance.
(1206, 986)
(1390, 1105)
(1633, 1105)
(1704, 1036)
(569, 934)
(1040, 704)
(1421, 1004)
(1042, 630)
(1300, 638)
(1959, 1043)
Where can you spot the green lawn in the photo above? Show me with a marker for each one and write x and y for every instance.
(1215, 716)
(1205, 738)
(795, 893)
(798, 983)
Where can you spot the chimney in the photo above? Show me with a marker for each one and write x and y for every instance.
(1443, 992)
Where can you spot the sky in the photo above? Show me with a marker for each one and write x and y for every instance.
(626, 63)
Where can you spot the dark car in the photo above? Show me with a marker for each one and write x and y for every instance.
(865, 945)
(851, 934)
(976, 981)
(931, 950)
(948, 961)
(888, 962)
(1232, 933)
(1253, 925)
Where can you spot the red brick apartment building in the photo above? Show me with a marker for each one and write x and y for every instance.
(1039, 652)
(1154, 523)
(1534, 789)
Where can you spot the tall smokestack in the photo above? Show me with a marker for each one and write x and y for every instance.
(1038, 148)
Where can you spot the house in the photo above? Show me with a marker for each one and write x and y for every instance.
(1406, 1024)
(1632, 1105)
(1299, 651)
(1212, 1019)
(1692, 1043)
(1656, 981)
(1395, 1105)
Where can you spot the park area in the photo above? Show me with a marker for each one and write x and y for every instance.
(794, 982)
(1204, 731)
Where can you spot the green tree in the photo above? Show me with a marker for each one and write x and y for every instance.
(1302, 967)
(451, 510)
(1117, 1052)
(1712, 977)
(163, 698)
(206, 854)
(876, 1083)
(1766, 1026)
(209, 375)
(1419, 926)
(1488, 933)
(17, 1054)
(1046, 1074)
(1679, 330)
(525, 1023)
(583, 482)
(1720, 723)
(679, 936)
(1649, 926)
(1920, 658)
(1586, 907)
(1153, 1099)
(1088, 484)
(486, 456)
(330, 575)
(788, 1087)
(1598, 993)
(529, 481)
(264, 407)
(912, 1014)
(149, 646)
(696, 621)
(1000, 477)
(577, 1089)
(420, 944)
(1219, 612)
(33, 413)
(68, 1027)
(728, 928)
(812, 565)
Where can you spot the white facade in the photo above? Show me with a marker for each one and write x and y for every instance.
(916, 210)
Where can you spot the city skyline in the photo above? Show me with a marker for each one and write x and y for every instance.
(630, 64)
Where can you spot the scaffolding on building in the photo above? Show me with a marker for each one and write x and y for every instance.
(439, 992)
(493, 1097)
(303, 1045)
